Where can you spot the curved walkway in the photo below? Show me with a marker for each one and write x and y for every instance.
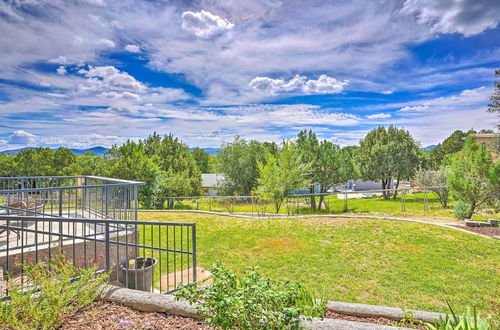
(452, 225)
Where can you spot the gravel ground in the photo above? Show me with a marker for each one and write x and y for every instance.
(375, 320)
(488, 231)
(105, 315)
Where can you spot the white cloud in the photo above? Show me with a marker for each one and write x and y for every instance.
(381, 115)
(467, 17)
(204, 24)
(109, 77)
(106, 43)
(122, 108)
(121, 96)
(22, 137)
(323, 85)
(59, 60)
(415, 108)
(387, 92)
(61, 70)
(132, 48)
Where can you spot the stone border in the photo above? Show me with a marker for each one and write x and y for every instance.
(392, 313)
(165, 303)
(455, 226)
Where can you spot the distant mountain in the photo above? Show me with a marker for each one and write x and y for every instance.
(98, 151)
(432, 146)
(211, 151)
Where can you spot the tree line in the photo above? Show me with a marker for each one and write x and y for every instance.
(458, 167)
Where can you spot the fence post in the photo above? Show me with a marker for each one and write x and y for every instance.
(106, 231)
(426, 202)
(60, 216)
(193, 232)
(346, 206)
(403, 200)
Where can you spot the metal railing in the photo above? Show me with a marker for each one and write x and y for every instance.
(143, 255)
(92, 221)
(69, 196)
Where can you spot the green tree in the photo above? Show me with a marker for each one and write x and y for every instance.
(7, 165)
(473, 177)
(64, 161)
(35, 162)
(436, 180)
(452, 144)
(280, 175)
(494, 106)
(330, 165)
(164, 163)
(202, 159)
(237, 161)
(388, 154)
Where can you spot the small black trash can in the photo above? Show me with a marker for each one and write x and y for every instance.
(140, 272)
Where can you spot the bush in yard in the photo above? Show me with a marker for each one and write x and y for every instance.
(473, 177)
(251, 301)
(461, 210)
(50, 291)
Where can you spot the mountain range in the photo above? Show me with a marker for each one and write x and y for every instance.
(98, 151)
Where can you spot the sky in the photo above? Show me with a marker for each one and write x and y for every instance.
(96, 73)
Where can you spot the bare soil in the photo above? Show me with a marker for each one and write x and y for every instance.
(367, 319)
(105, 315)
(487, 231)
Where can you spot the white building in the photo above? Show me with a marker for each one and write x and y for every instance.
(211, 183)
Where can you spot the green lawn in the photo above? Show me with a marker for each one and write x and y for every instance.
(403, 264)
(414, 206)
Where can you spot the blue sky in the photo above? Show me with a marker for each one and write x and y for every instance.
(95, 72)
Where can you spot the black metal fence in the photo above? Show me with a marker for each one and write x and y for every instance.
(143, 255)
(92, 221)
(69, 196)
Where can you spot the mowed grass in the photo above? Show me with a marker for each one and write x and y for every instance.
(413, 206)
(393, 263)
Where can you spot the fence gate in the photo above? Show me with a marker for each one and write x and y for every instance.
(142, 255)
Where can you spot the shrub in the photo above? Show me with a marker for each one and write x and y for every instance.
(251, 301)
(461, 210)
(469, 321)
(50, 290)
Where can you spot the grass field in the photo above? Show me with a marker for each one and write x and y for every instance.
(394, 263)
(414, 206)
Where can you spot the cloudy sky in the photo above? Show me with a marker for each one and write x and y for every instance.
(96, 72)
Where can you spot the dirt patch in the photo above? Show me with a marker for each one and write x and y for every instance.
(333, 221)
(367, 319)
(487, 231)
(105, 315)
(402, 247)
(281, 244)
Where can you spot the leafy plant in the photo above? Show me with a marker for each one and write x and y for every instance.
(469, 321)
(251, 301)
(408, 321)
(461, 210)
(50, 290)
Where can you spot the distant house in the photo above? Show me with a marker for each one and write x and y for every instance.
(360, 185)
(211, 183)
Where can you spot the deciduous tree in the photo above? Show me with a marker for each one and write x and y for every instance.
(280, 175)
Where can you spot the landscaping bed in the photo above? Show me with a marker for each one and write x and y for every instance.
(487, 231)
(106, 315)
(366, 319)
